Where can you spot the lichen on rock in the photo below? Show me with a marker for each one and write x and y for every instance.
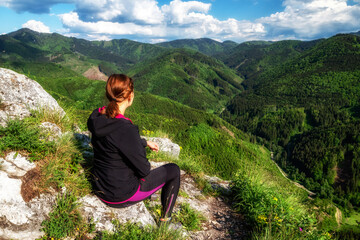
(20, 94)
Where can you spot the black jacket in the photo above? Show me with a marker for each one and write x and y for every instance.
(119, 157)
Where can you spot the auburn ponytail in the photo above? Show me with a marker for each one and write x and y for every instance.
(118, 89)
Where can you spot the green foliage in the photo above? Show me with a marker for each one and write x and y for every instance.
(19, 135)
(131, 50)
(65, 220)
(189, 218)
(66, 167)
(204, 45)
(130, 231)
(273, 214)
(305, 111)
(182, 74)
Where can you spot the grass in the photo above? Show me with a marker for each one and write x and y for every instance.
(19, 135)
(189, 218)
(65, 220)
(353, 219)
(130, 231)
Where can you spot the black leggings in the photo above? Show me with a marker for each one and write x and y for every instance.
(166, 177)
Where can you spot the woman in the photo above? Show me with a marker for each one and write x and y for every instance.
(121, 171)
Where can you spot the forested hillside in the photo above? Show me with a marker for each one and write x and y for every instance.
(306, 110)
(204, 45)
(188, 77)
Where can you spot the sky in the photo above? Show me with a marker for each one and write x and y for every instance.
(165, 20)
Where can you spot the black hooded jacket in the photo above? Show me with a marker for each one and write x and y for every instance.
(119, 156)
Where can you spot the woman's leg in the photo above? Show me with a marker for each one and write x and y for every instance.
(166, 177)
(170, 190)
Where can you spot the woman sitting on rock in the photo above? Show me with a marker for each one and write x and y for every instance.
(121, 171)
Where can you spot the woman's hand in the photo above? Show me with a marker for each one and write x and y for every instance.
(153, 146)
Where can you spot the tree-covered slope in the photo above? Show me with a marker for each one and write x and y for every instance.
(77, 54)
(251, 58)
(204, 45)
(306, 111)
(129, 49)
(12, 49)
(188, 77)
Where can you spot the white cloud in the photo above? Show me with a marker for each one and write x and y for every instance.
(36, 26)
(98, 37)
(177, 20)
(313, 18)
(143, 11)
(158, 40)
(72, 21)
(179, 12)
(5, 3)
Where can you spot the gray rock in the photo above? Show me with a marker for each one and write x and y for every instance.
(84, 139)
(19, 94)
(51, 130)
(16, 165)
(20, 219)
(166, 146)
(92, 208)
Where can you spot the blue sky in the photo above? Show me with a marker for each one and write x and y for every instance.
(164, 20)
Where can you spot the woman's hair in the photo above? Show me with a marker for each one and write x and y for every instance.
(118, 89)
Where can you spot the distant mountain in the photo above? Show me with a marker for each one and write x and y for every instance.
(251, 58)
(204, 45)
(356, 33)
(13, 49)
(188, 77)
(77, 54)
(129, 49)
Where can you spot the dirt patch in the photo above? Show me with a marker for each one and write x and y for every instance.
(222, 222)
(30, 184)
(228, 131)
(94, 73)
(2, 106)
(338, 216)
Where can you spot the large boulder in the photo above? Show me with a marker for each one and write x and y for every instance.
(20, 219)
(92, 208)
(19, 94)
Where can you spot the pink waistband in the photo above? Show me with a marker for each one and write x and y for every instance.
(138, 196)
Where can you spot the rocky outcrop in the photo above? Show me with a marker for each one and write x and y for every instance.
(51, 130)
(92, 208)
(20, 219)
(166, 146)
(19, 94)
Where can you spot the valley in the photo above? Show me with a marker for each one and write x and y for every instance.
(233, 108)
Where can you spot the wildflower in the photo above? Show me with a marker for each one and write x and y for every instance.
(300, 229)
(275, 199)
(158, 211)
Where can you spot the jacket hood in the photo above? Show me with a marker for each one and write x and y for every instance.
(101, 126)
